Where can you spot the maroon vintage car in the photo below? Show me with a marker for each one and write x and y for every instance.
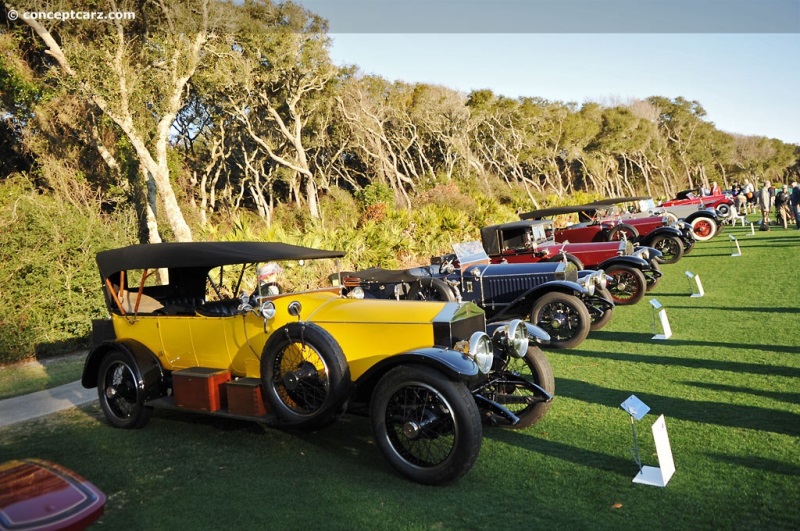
(650, 231)
(633, 271)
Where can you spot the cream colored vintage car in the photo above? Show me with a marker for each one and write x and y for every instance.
(179, 337)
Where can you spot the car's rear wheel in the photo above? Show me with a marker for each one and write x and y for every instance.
(427, 426)
(508, 386)
(704, 228)
(628, 284)
(304, 374)
(671, 248)
(121, 399)
(564, 317)
(573, 263)
(601, 320)
(431, 289)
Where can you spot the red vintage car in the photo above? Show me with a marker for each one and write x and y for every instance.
(704, 222)
(707, 225)
(650, 231)
(633, 271)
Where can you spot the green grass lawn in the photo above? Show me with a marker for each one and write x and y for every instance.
(23, 378)
(727, 381)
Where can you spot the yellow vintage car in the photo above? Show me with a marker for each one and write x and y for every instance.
(206, 327)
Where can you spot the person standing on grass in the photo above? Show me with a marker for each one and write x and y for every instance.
(795, 203)
(764, 204)
(749, 192)
(783, 209)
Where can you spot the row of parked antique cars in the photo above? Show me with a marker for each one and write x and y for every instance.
(430, 354)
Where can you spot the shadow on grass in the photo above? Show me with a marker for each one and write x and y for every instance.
(729, 415)
(759, 463)
(741, 309)
(789, 398)
(713, 365)
(629, 337)
(564, 452)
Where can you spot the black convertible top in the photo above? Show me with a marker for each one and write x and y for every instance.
(615, 200)
(205, 255)
(556, 211)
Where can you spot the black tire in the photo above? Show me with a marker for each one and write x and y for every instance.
(671, 248)
(599, 321)
(120, 397)
(653, 281)
(305, 376)
(564, 317)
(519, 399)
(704, 228)
(431, 289)
(622, 229)
(688, 245)
(573, 263)
(628, 285)
(426, 426)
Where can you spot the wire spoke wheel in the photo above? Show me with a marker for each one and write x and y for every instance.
(427, 426)
(508, 386)
(301, 378)
(671, 248)
(564, 317)
(628, 285)
(120, 397)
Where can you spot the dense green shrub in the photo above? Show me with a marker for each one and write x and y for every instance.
(48, 277)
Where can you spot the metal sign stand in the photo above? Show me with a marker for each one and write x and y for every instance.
(648, 475)
(695, 285)
(734, 243)
(661, 313)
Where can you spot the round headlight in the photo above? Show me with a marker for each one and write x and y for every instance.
(518, 338)
(480, 350)
(601, 280)
(645, 253)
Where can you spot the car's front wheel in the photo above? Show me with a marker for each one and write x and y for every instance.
(671, 248)
(627, 285)
(304, 374)
(508, 386)
(599, 320)
(121, 399)
(704, 228)
(427, 426)
(653, 279)
(564, 317)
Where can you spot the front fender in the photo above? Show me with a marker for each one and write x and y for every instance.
(660, 231)
(521, 306)
(702, 214)
(451, 363)
(632, 261)
(149, 373)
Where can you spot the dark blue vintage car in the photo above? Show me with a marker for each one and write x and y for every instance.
(564, 302)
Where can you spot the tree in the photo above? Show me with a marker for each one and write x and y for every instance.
(136, 73)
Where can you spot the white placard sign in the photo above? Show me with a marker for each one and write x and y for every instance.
(660, 317)
(659, 477)
(695, 285)
(733, 241)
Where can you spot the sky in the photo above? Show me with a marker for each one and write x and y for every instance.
(741, 63)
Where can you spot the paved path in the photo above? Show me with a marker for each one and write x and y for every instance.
(25, 407)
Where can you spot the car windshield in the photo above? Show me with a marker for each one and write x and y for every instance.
(646, 205)
(470, 253)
